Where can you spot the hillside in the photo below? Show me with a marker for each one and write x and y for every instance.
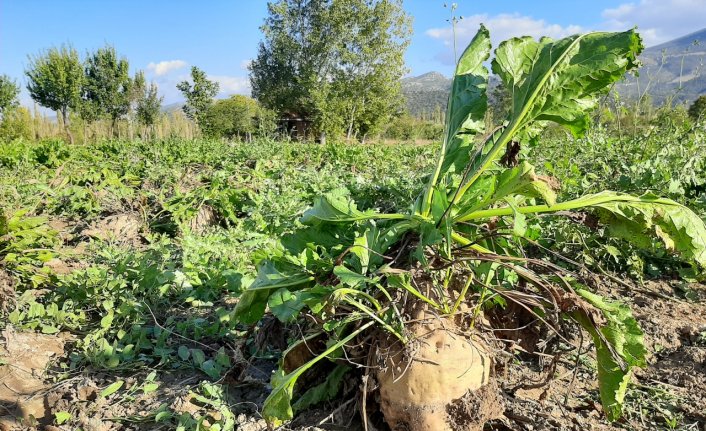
(672, 69)
(427, 93)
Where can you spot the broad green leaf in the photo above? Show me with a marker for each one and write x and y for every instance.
(251, 306)
(112, 388)
(679, 228)
(271, 276)
(619, 348)
(465, 115)
(636, 219)
(209, 367)
(368, 249)
(519, 222)
(557, 81)
(150, 387)
(467, 103)
(560, 80)
(522, 180)
(351, 278)
(286, 305)
(492, 187)
(323, 392)
(337, 206)
(107, 320)
(198, 356)
(276, 274)
(163, 416)
(183, 352)
(277, 406)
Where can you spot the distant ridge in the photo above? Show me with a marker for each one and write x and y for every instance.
(425, 94)
(671, 70)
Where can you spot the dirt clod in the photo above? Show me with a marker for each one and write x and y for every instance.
(23, 392)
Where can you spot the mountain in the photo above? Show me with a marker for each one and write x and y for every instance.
(172, 107)
(426, 94)
(674, 69)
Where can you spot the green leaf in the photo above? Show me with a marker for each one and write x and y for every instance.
(149, 387)
(465, 116)
(62, 417)
(284, 304)
(636, 219)
(351, 278)
(560, 80)
(163, 416)
(277, 406)
(198, 356)
(556, 81)
(183, 353)
(619, 348)
(271, 276)
(519, 222)
(209, 367)
(112, 388)
(467, 103)
(367, 248)
(107, 320)
(335, 206)
(322, 392)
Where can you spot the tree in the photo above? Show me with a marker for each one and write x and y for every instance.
(149, 106)
(16, 123)
(235, 116)
(55, 81)
(8, 94)
(697, 110)
(106, 90)
(199, 96)
(337, 63)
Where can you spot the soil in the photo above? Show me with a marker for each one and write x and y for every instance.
(122, 228)
(7, 292)
(671, 388)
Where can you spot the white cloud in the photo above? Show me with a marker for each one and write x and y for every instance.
(658, 20)
(232, 84)
(501, 27)
(245, 64)
(164, 67)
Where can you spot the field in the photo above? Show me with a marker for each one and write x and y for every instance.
(123, 262)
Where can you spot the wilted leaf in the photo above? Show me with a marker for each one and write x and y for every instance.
(323, 392)
(619, 348)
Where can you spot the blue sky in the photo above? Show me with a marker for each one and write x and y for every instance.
(165, 37)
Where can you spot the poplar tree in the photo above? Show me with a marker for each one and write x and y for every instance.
(199, 94)
(55, 79)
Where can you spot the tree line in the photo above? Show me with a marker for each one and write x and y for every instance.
(336, 64)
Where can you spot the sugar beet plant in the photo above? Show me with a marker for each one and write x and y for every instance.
(412, 298)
